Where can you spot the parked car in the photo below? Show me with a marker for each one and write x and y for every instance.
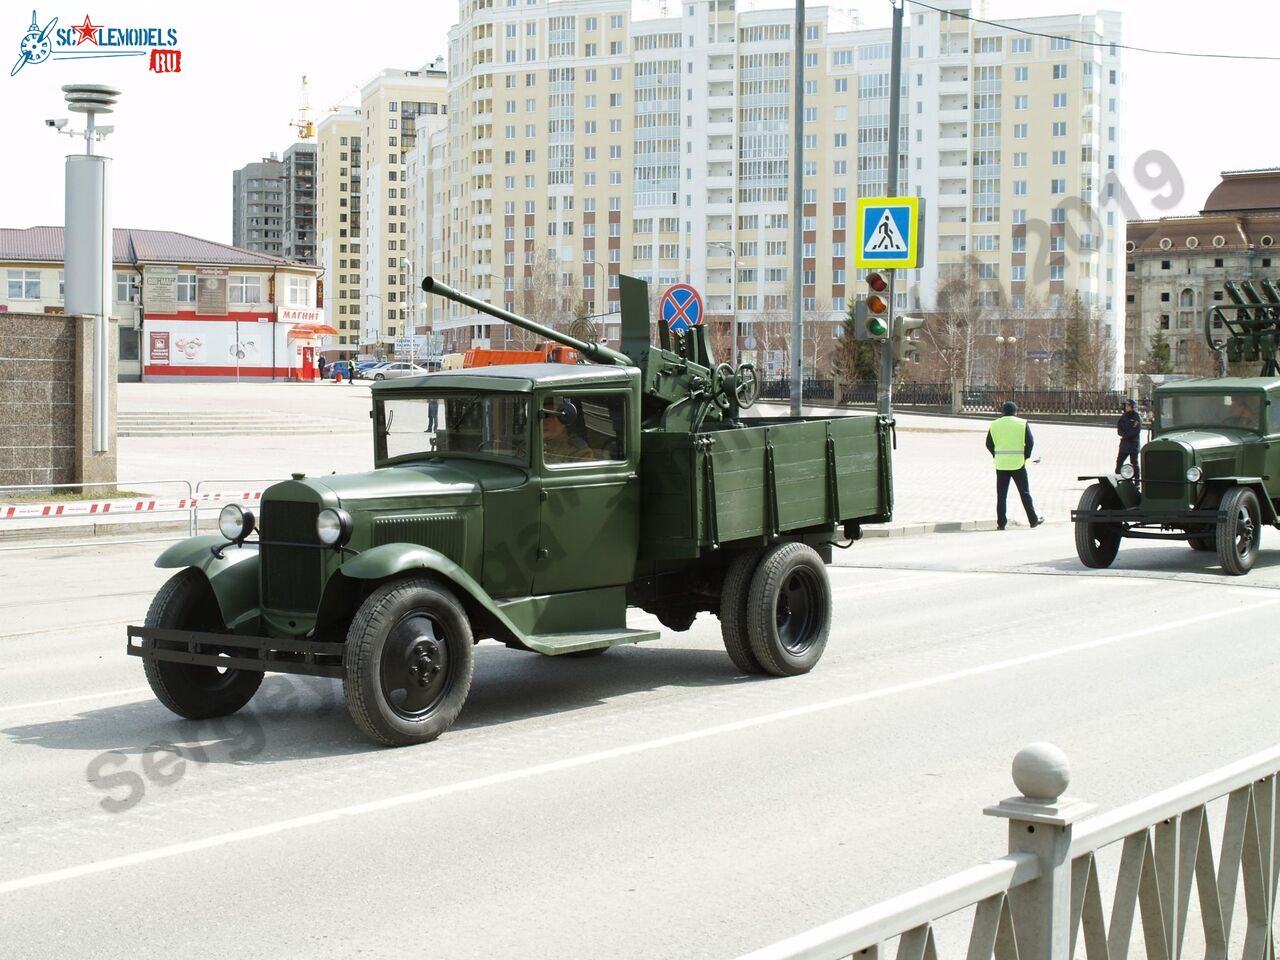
(336, 367)
(364, 371)
(394, 371)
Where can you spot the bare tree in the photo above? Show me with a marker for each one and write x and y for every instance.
(1087, 351)
(954, 329)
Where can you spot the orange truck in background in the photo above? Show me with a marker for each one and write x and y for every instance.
(550, 353)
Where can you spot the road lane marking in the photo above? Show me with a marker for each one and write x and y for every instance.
(87, 696)
(571, 763)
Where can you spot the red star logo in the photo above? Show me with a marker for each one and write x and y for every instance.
(87, 31)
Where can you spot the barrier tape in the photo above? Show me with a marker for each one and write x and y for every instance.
(85, 508)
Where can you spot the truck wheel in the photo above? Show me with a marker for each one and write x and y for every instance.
(1096, 543)
(789, 610)
(186, 602)
(408, 664)
(733, 610)
(1238, 536)
(1203, 543)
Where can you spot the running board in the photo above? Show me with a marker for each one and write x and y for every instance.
(553, 644)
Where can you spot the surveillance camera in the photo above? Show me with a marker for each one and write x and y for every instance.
(57, 124)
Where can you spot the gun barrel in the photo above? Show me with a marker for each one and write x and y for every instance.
(595, 351)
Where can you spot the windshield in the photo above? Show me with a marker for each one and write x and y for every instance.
(494, 424)
(1211, 410)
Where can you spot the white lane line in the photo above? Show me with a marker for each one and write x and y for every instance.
(571, 763)
(87, 696)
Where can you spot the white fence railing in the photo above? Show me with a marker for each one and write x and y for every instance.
(25, 524)
(1046, 896)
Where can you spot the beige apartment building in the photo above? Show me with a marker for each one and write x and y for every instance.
(569, 143)
(397, 109)
(339, 159)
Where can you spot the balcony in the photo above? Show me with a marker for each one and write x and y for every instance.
(954, 116)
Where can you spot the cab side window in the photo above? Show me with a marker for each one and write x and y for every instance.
(594, 431)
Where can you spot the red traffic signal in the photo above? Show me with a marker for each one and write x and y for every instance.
(877, 282)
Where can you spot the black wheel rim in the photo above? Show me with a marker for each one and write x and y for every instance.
(416, 667)
(796, 611)
(1244, 532)
(1101, 535)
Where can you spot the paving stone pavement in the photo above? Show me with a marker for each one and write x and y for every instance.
(942, 471)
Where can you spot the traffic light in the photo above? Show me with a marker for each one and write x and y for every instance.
(906, 337)
(871, 314)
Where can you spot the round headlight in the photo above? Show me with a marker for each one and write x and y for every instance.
(1194, 474)
(1126, 471)
(234, 522)
(333, 527)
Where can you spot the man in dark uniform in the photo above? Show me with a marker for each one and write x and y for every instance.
(1009, 442)
(1129, 426)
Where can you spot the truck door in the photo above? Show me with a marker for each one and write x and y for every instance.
(589, 516)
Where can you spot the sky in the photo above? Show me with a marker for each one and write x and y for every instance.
(179, 136)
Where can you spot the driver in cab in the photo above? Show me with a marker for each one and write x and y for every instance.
(1242, 413)
(559, 445)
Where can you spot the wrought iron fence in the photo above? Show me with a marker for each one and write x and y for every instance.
(973, 399)
(1044, 898)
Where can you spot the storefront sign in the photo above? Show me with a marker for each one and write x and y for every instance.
(159, 340)
(160, 289)
(211, 291)
(299, 315)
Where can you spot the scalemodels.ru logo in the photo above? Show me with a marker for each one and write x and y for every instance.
(90, 40)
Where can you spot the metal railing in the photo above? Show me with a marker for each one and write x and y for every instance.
(1038, 901)
(973, 399)
(181, 506)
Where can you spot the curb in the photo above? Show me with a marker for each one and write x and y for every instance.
(923, 529)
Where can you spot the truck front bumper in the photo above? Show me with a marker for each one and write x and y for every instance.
(1141, 524)
(233, 651)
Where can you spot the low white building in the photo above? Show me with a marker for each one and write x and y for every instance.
(186, 308)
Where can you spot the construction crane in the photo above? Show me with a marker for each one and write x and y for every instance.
(306, 129)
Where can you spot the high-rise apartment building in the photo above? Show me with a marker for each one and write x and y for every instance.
(257, 206)
(397, 109)
(299, 181)
(339, 158)
(581, 144)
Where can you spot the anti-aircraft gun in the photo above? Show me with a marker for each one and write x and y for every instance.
(532, 504)
(1207, 473)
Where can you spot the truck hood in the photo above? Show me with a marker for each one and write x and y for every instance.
(1208, 440)
(445, 484)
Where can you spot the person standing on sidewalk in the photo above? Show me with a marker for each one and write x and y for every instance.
(1129, 427)
(1009, 441)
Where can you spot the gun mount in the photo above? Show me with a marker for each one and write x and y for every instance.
(683, 387)
(1252, 324)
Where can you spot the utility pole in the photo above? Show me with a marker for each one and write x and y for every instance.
(797, 209)
(885, 405)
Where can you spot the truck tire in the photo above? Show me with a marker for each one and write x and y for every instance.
(1239, 535)
(408, 663)
(186, 602)
(733, 610)
(789, 609)
(1096, 543)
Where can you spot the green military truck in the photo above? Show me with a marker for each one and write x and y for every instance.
(532, 504)
(1214, 457)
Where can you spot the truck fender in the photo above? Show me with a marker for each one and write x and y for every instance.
(1257, 486)
(390, 559)
(233, 576)
(1125, 491)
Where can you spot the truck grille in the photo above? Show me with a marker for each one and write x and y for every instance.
(292, 576)
(1163, 474)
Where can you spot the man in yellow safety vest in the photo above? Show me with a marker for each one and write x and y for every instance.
(1009, 441)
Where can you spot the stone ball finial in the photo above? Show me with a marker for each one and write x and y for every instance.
(1041, 772)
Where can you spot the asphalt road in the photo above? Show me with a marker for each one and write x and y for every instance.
(648, 803)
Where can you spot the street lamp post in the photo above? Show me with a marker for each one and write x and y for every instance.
(1004, 342)
(733, 298)
(377, 326)
(604, 273)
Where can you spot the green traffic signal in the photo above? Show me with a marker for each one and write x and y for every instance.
(876, 327)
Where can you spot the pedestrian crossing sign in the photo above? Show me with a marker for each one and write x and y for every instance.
(888, 232)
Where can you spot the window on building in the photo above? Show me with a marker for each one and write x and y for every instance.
(24, 284)
(124, 287)
(186, 288)
(244, 288)
(1059, 71)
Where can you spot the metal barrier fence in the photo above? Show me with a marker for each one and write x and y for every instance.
(973, 399)
(181, 505)
(1040, 900)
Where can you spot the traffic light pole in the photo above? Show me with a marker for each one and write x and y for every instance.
(885, 405)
